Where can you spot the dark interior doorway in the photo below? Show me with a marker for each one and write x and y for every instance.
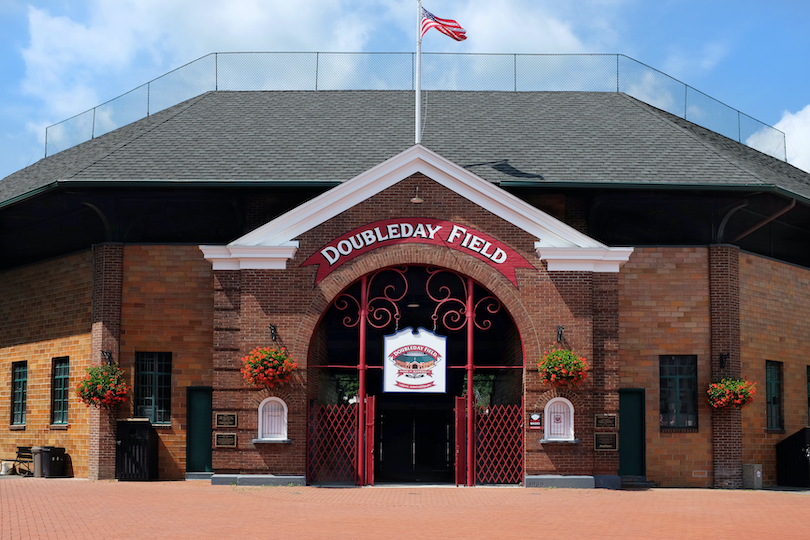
(414, 440)
(413, 433)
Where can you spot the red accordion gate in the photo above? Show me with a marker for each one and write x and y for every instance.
(499, 445)
(332, 445)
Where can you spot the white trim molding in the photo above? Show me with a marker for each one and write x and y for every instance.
(578, 259)
(274, 243)
(235, 257)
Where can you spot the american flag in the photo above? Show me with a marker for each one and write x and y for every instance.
(445, 26)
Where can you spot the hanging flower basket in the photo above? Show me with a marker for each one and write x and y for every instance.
(265, 367)
(103, 386)
(731, 393)
(564, 368)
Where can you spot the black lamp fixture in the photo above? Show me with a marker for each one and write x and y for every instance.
(723, 359)
(560, 330)
(107, 357)
(273, 332)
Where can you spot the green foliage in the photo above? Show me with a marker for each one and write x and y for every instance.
(730, 392)
(103, 386)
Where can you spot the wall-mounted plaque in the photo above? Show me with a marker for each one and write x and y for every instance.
(606, 421)
(225, 440)
(226, 420)
(536, 420)
(606, 441)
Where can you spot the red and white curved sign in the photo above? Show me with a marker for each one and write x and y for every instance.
(420, 231)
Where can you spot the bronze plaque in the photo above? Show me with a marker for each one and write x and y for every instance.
(226, 419)
(606, 441)
(226, 440)
(606, 421)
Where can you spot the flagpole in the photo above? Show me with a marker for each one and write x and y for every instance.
(417, 123)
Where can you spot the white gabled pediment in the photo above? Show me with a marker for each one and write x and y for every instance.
(272, 244)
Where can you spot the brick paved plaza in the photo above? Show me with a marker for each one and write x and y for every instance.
(35, 508)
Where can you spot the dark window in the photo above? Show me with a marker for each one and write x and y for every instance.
(19, 392)
(153, 386)
(679, 397)
(773, 394)
(60, 390)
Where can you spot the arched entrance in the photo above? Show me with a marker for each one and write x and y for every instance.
(360, 431)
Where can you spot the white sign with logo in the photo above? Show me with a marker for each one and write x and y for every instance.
(414, 362)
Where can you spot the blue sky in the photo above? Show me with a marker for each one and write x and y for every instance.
(62, 57)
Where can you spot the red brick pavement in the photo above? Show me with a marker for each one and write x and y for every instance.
(33, 508)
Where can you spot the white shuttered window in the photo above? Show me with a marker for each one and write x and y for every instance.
(559, 420)
(272, 419)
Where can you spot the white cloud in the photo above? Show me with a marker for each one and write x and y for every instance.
(66, 58)
(797, 135)
(795, 144)
(77, 61)
(514, 27)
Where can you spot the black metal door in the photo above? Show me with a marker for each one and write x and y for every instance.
(631, 433)
(199, 432)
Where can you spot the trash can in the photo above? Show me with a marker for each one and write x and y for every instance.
(53, 461)
(36, 452)
(136, 454)
(752, 476)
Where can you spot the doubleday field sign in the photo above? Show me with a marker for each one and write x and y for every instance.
(422, 231)
(414, 362)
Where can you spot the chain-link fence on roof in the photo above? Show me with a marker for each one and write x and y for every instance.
(397, 71)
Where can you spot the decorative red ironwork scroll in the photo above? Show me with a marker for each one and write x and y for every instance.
(383, 308)
(451, 309)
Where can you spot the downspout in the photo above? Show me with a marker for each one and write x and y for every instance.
(766, 221)
(721, 230)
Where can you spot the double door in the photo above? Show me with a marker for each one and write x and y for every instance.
(415, 445)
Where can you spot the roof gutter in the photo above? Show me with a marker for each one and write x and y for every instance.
(767, 188)
(166, 183)
(29, 194)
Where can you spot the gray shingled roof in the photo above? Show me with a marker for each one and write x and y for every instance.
(552, 138)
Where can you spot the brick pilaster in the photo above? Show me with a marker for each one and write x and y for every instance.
(606, 359)
(724, 305)
(105, 335)
(227, 336)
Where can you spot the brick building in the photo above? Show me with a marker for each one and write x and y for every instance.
(667, 255)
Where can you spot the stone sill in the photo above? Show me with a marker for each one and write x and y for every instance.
(59, 427)
(272, 441)
(17, 427)
(559, 441)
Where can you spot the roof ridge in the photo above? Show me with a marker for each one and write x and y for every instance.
(656, 112)
(181, 108)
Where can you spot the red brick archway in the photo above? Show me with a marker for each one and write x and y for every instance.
(502, 438)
